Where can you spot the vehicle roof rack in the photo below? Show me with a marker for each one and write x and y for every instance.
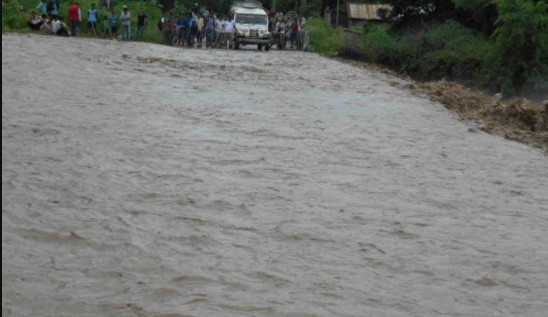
(249, 4)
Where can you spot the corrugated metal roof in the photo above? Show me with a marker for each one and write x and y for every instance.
(360, 11)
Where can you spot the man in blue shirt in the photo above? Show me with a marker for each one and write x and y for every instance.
(182, 27)
(92, 19)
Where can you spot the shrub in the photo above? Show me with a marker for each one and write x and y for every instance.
(13, 15)
(397, 52)
(453, 50)
(521, 44)
(323, 38)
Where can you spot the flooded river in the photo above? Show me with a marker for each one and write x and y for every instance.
(144, 180)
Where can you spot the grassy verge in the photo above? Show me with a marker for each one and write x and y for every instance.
(16, 12)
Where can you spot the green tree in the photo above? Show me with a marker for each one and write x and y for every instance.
(408, 12)
(521, 44)
(479, 14)
(13, 15)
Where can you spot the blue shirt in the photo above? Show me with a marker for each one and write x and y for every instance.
(92, 15)
(42, 8)
(182, 22)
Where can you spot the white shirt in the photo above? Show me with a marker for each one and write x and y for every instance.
(229, 27)
(219, 25)
(56, 26)
(125, 17)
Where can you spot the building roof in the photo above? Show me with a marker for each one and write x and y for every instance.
(360, 11)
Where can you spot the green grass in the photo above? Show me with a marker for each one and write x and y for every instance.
(15, 13)
(323, 38)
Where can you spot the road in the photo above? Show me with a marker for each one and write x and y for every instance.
(145, 180)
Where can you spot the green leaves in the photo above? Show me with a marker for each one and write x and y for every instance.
(323, 38)
(13, 15)
(521, 44)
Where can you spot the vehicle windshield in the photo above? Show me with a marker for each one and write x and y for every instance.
(250, 19)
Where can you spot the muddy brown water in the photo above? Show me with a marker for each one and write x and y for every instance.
(144, 180)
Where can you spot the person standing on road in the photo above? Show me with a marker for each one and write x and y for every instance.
(219, 32)
(53, 9)
(114, 21)
(142, 22)
(210, 25)
(192, 30)
(293, 31)
(42, 7)
(229, 33)
(74, 18)
(167, 28)
(106, 26)
(200, 25)
(302, 22)
(92, 19)
(126, 23)
(302, 35)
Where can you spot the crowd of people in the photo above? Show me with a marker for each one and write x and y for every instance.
(53, 25)
(202, 28)
(47, 18)
(198, 28)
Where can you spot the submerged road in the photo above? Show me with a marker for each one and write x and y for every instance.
(145, 180)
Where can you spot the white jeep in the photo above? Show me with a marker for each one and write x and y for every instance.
(251, 26)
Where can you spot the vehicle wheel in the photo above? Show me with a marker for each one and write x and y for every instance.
(236, 45)
(267, 47)
(259, 47)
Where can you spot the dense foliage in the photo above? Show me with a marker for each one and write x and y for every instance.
(521, 44)
(501, 44)
(13, 15)
(323, 38)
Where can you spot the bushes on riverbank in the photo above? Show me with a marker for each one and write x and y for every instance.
(447, 50)
(324, 39)
(453, 51)
(512, 59)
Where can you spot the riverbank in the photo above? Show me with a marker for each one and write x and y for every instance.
(521, 119)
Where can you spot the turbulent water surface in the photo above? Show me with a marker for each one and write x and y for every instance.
(144, 180)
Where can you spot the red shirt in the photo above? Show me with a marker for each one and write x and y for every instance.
(73, 13)
(294, 26)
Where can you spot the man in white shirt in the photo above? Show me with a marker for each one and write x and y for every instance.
(229, 33)
(126, 20)
(59, 27)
